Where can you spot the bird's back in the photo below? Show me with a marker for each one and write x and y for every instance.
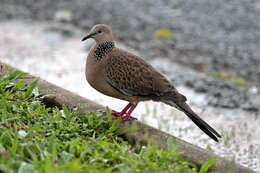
(132, 76)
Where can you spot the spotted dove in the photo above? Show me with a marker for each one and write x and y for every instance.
(123, 75)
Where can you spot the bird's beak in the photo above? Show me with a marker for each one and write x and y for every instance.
(88, 36)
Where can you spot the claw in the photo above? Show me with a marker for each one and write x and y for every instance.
(128, 118)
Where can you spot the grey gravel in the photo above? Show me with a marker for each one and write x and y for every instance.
(219, 93)
(210, 35)
(215, 35)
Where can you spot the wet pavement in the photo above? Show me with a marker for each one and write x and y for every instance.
(208, 36)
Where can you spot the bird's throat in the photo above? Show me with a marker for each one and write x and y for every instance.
(102, 49)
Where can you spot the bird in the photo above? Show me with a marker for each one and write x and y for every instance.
(120, 74)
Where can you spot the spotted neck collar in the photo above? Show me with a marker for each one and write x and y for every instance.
(102, 49)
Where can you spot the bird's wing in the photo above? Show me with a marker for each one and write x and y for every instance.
(132, 76)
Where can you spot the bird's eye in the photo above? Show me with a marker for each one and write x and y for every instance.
(99, 31)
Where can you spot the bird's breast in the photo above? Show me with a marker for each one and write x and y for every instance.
(92, 68)
(96, 77)
(94, 72)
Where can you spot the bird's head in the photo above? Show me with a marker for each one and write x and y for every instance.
(99, 33)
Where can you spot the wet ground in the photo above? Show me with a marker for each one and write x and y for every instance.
(45, 51)
(209, 35)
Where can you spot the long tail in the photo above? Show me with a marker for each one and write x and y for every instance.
(205, 127)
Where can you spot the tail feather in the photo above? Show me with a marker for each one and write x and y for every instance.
(205, 127)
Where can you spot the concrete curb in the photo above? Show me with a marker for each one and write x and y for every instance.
(135, 131)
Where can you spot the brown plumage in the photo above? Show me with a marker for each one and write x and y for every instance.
(120, 74)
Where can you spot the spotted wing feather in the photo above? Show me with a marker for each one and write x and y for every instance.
(133, 76)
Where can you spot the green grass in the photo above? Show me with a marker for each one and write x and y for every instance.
(34, 138)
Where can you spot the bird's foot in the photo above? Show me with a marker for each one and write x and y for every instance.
(128, 117)
(123, 116)
(117, 114)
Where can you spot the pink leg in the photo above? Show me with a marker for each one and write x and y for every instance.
(125, 114)
(128, 114)
(120, 114)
